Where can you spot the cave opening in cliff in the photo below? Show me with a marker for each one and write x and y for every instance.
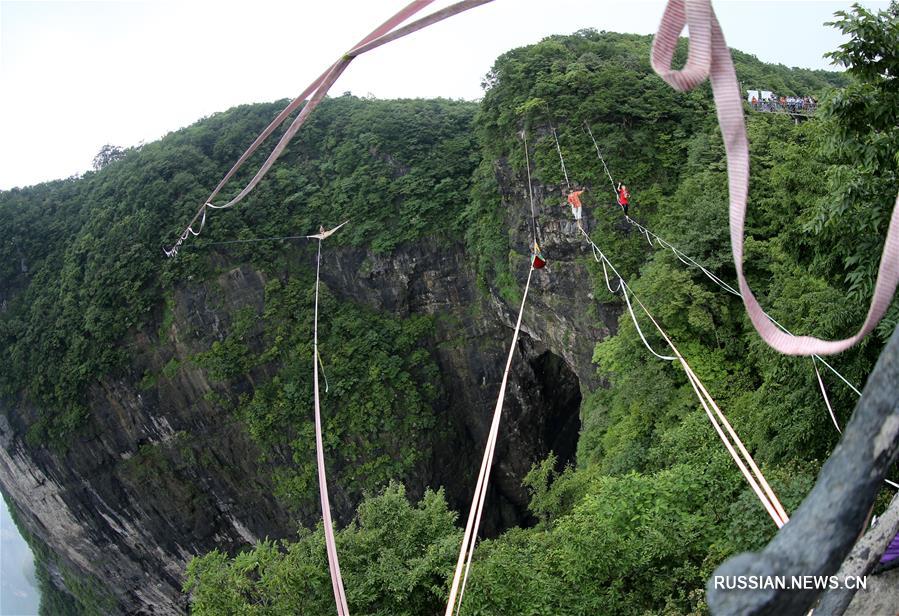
(543, 418)
(560, 402)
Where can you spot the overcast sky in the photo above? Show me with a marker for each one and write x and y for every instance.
(77, 75)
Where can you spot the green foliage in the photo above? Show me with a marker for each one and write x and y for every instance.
(81, 265)
(486, 239)
(168, 317)
(654, 503)
(553, 494)
(861, 141)
(231, 357)
(632, 545)
(603, 79)
(644, 128)
(399, 170)
(393, 559)
(171, 368)
(376, 409)
(646, 434)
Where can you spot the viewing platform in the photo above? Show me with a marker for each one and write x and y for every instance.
(800, 108)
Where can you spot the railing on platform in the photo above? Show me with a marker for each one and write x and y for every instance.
(799, 107)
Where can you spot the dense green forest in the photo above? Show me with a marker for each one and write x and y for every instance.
(85, 272)
(87, 250)
(654, 503)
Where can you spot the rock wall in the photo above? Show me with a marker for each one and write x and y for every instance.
(160, 473)
(881, 596)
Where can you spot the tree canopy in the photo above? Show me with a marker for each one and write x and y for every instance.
(653, 503)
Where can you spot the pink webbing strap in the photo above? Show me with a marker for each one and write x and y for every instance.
(317, 84)
(330, 543)
(384, 28)
(385, 33)
(372, 41)
(424, 22)
(338, 67)
(710, 57)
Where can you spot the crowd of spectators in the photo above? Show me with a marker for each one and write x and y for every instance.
(789, 104)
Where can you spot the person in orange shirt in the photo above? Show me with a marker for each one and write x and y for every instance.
(574, 200)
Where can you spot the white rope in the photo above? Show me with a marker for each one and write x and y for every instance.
(733, 434)
(606, 274)
(601, 159)
(561, 158)
(322, 367)
(470, 537)
(743, 459)
(621, 286)
(833, 418)
(756, 479)
(637, 325)
(781, 518)
(824, 394)
(818, 358)
(600, 258)
(190, 228)
(687, 260)
(463, 564)
(766, 503)
(527, 161)
(187, 232)
(842, 378)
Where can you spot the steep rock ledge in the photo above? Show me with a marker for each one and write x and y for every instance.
(162, 473)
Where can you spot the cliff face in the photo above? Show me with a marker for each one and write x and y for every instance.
(127, 502)
(161, 472)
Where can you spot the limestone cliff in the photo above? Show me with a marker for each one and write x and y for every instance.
(162, 472)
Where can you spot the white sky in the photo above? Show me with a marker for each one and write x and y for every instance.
(77, 75)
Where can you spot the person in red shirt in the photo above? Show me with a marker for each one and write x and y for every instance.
(574, 200)
(623, 197)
